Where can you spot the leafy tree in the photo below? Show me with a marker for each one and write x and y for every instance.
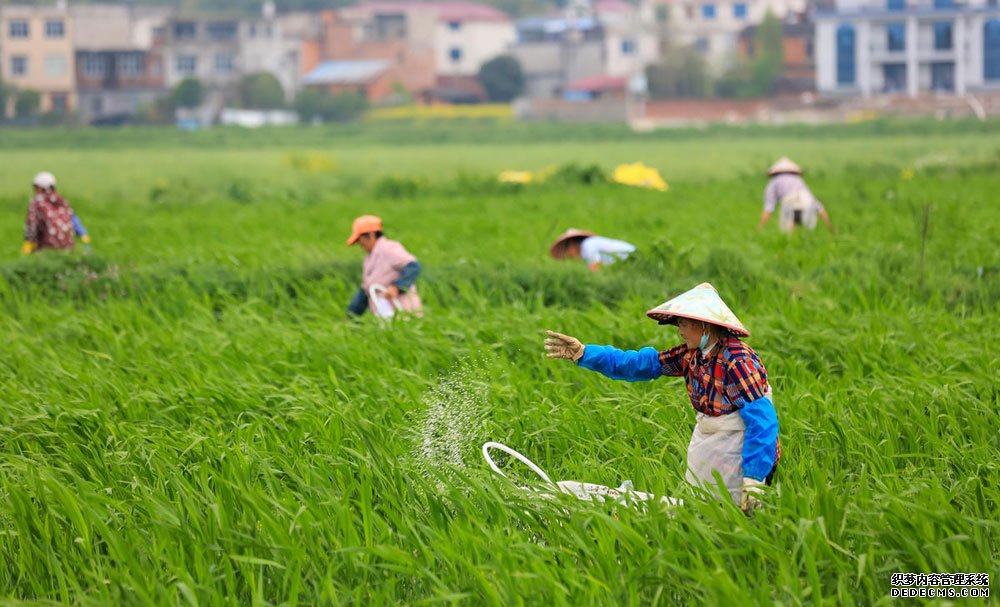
(261, 91)
(502, 78)
(6, 92)
(188, 93)
(312, 104)
(683, 73)
(767, 66)
(26, 103)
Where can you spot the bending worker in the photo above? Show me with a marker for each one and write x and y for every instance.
(51, 222)
(388, 265)
(594, 250)
(798, 205)
(736, 433)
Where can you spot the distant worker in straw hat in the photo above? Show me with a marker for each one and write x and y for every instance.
(389, 271)
(594, 250)
(736, 433)
(51, 222)
(798, 205)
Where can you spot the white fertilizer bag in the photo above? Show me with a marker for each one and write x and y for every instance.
(624, 494)
(383, 307)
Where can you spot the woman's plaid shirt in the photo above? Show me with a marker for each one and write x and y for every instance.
(725, 380)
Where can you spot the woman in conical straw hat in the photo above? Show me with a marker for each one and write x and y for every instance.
(736, 433)
(593, 249)
(798, 205)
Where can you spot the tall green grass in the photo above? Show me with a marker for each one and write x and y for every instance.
(188, 417)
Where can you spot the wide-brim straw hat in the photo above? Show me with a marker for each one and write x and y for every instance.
(784, 165)
(558, 249)
(700, 303)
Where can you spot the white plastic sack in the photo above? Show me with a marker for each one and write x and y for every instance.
(381, 305)
(624, 494)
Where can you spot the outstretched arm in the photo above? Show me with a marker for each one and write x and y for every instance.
(628, 365)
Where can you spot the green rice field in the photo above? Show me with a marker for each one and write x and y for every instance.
(189, 418)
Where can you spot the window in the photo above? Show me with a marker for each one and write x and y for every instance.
(54, 29)
(708, 11)
(740, 10)
(897, 5)
(19, 65)
(253, 30)
(225, 63)
(628, 46)
(59, 102)
(55, 65)
(222, 30)
(942, 76)
(131, 64)
(454, 25)
(845, 54)
(942, 36)
(701, 45)
(662, 13)
(94, 64)
(944, 4)
(19, 29)
(186, 65)
(991, 50)
(895, 34)
(184, 30)
(894, 77)
(456, 54)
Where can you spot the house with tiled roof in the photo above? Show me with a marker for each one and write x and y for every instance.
(429, 45)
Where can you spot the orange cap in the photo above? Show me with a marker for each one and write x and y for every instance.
(364, 225)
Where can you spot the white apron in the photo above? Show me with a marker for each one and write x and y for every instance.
(801, 202)
(717, 444)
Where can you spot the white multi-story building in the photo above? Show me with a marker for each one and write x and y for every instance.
(462, 35)
(219, 51)
(908, 47)
(713, 26)
(609, 39)
(36, 53)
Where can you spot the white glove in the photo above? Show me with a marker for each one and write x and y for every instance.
(563, 346)
(753, 490)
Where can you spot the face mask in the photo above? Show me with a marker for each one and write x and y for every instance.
(703, 343)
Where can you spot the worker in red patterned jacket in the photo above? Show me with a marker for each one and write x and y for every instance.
(51, 222)
(736, 434)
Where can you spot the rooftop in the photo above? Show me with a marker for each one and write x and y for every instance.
(345, 72)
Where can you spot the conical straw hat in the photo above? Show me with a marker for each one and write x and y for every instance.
(700, 303)
(558, 249)
(784, 165)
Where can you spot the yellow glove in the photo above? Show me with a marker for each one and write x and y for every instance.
(27, 248)
(753, 490)
(85, 239)
(563, 346)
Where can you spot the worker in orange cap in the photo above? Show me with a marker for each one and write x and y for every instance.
(389, 270)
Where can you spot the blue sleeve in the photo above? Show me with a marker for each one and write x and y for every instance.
(630, 365)
(408, 275)
(78, 226)
(760, 443)
(359, 303)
